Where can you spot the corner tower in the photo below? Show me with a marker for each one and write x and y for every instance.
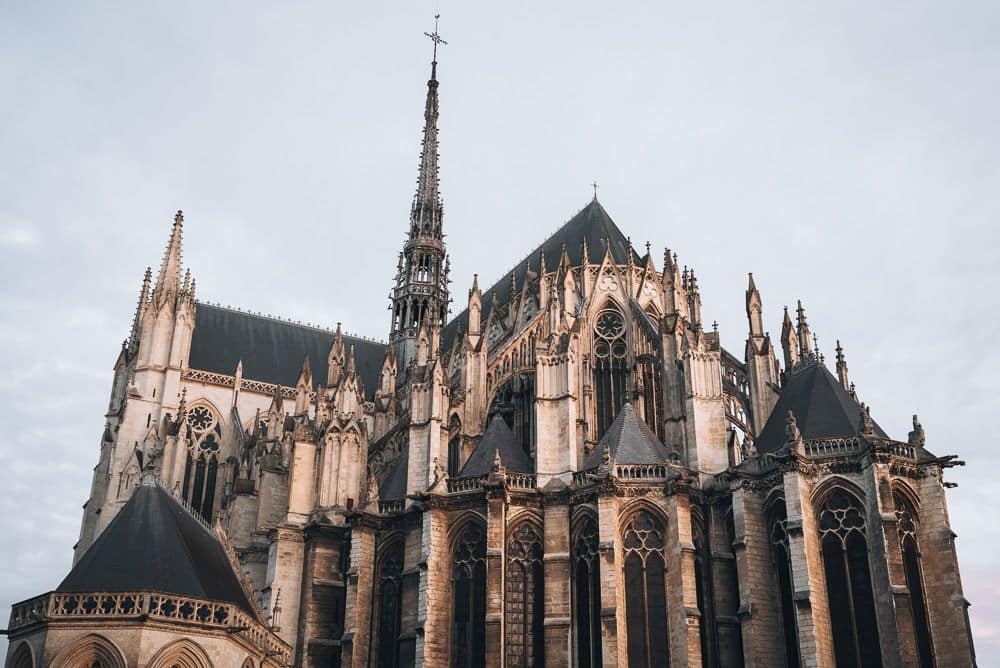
(421, 288)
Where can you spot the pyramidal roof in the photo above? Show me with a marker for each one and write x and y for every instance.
(630, 441)
(820, 404)
(154, 544)
(592, 224)
(497, 439)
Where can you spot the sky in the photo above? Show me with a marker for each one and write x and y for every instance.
(846, 153)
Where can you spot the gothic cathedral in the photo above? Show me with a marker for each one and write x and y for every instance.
(570, 472)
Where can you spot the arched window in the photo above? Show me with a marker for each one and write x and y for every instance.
(202, 465)
(388, 595)
(777, 519)
(525, 599)
(454, 446)
(468, 575)
(21, 658)
(906, 524)
(848, 582)
(645, 592)
(587, 595)
(648, 378)
(610, 367)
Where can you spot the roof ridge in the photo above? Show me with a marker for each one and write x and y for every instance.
(288, 321)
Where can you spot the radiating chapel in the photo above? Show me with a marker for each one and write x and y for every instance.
(572, 471)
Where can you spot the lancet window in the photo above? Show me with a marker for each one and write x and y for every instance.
(525, 600)
(848, 582)
(587, 594)
(202, 465)
(778, 532)
(468, 580)
(648, 378)
(610, 365)
(389, 595)
(643, 542)
(906, 525)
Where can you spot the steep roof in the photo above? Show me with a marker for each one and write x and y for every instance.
(630, 441)
(154, 544)
(392, 483)
(498, 438)
(271, 349)
(592, 224)
(821, 405)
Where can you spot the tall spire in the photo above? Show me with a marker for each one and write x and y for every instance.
(421, 287)
(426, 214)
(168, 280)
(137, 320)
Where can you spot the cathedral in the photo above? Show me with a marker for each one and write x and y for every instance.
(572, 471)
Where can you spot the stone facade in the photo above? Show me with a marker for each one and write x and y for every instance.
(353, 490)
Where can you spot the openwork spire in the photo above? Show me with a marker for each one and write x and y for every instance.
(426, 213)
(421, 288)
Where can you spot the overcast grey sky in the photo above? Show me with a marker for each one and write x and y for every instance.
(844, 153)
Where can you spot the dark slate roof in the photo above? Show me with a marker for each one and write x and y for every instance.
(498, 437)
(392, 484)
(631, 442)
(592, 223)
(154, 544)
(271, 349)
(821, 405)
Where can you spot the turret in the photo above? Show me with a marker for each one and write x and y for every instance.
(335, 360)
(762, 366)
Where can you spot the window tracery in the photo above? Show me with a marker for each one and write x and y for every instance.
(468, 631)
(389, 594)
(778, 530)
(643, 542)
(850, 595)
(202, 464)
(525, 600)
(587, 594)
(610, 367)
(906, 526)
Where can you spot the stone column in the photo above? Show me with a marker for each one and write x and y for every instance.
(558, 579)
(760, 620)
(433, 642)
(682, 604)
(612, 589)
(284, 580)
(812, 613)
(358, 610)
(496, 540)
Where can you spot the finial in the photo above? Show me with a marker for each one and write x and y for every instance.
(715, 326)
(436, 38)
(917, 436)
(595, 187)
(179, 217)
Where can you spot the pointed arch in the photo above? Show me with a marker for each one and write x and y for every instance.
(22, 657)
(842, 525)
(454, 445)
(907, 525)
(89, 651)
(610, 363)
(776, 517)
(644, 542)
(524, 599)
(822, 492)
(183, 653)
(586, 573)
(388, 597)
(468, 592)
(704, 594)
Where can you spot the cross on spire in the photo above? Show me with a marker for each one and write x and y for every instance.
(435, 37)
(595, 187)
